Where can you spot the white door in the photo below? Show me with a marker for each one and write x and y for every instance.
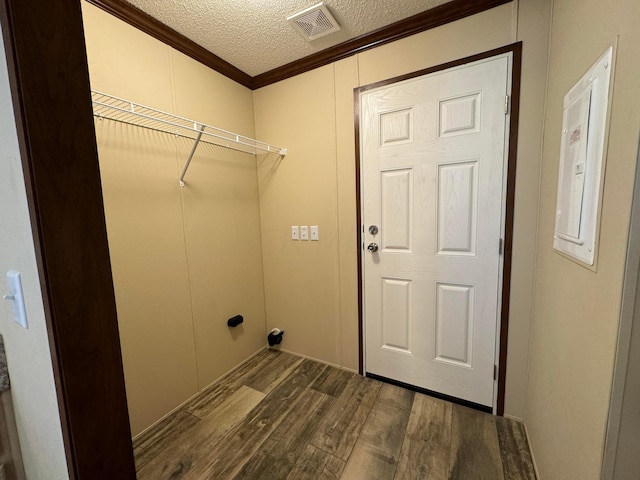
(433, 181)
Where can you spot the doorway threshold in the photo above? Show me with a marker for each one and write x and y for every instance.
(431, 393)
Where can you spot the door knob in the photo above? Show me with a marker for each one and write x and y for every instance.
(372, 247)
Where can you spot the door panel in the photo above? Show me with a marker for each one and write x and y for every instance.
(396, 127)
(459, 115)
(396, 316)
(433, 165)
(457, 208)
(454, 324)
(396, 192)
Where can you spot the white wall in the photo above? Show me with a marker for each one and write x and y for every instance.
(28, 355)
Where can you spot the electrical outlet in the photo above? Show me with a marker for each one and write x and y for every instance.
(295, 232)
(304, 232)
(315, 235)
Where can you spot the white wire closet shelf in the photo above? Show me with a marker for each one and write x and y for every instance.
(125, 111)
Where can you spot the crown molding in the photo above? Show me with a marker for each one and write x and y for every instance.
(146, 23)
(435, 17)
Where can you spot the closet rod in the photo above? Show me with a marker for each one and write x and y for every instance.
(125, 111)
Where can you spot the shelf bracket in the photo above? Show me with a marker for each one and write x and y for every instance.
(193, 150)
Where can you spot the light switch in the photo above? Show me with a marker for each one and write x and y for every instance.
(315, 236)
(295, 232)
(15, 295)
(304, 232)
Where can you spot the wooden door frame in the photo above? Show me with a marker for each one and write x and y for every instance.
(49, 79)
(516, 74)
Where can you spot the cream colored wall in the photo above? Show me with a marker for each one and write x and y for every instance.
(311, 288)
(301, 278)
(28, 356)
(576, 311)
(532, 28)
(184, 259)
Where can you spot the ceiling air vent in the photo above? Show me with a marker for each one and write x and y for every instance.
(314, 22)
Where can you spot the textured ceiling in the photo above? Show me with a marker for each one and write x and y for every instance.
(255, 36)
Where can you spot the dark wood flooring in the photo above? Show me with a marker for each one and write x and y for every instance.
(279, 416)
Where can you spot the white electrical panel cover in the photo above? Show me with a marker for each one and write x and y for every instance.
(582, 162)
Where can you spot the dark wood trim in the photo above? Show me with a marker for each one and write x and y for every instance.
(356, 117)
(439, 68)
(516, 74)
(516, 77)
(49, 78)
(144, 22)
(435, 17)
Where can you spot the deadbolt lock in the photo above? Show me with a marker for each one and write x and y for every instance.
(373, 229)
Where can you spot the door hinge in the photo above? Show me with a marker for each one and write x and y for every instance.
(500, 246)
(507, 104)
(495, 372)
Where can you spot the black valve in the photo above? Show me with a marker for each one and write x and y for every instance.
(235, 321)
(275, 337)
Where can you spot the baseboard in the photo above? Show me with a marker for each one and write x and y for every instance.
(533, 457)
(317, 360)
(164, 417)
(514, 418)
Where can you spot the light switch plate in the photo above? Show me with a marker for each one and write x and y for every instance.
(315, 236)
(295, 232)
(304, 232)
(15, 295)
